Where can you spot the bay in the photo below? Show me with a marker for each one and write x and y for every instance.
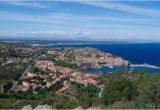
(136, 53)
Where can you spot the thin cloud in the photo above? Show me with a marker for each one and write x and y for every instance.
(29, 18)
(122, 7)
(66, 18)
(27, 4)
(48, 34)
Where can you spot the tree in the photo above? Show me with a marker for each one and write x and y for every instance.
(148, 92)
(119, 89)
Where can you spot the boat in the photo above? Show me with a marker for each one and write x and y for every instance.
(110, 66)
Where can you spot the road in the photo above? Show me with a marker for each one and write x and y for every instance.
(101, 87)
(21, 77)
(16, 82)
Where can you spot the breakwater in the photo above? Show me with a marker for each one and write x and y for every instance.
(145, 65)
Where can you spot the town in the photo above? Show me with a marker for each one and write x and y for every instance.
(36, 77)
(52, 69)
(34, 81)
(79, 54)
(47, 67)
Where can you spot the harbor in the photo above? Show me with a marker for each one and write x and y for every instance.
(110, 68)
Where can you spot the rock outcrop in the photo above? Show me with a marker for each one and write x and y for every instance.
(39, 107)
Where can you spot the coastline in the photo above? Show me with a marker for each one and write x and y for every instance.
(63, 44)
(113, 50)
(107, 69)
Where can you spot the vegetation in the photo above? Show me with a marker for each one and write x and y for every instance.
(118, 89)
(11, 72)
(122, 90)
(139, 90)
(65, 64)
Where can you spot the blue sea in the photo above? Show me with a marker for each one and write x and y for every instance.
(136, 53)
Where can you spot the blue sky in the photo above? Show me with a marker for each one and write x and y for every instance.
(88, 20)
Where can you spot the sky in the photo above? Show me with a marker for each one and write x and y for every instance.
(81, 20)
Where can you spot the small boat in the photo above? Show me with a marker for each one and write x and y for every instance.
(110, 66)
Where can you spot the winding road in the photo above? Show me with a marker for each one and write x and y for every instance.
(22, 75)
(101, 87)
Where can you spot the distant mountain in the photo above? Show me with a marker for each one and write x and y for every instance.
(73, 39)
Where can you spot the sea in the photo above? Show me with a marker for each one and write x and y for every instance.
(136, 53)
